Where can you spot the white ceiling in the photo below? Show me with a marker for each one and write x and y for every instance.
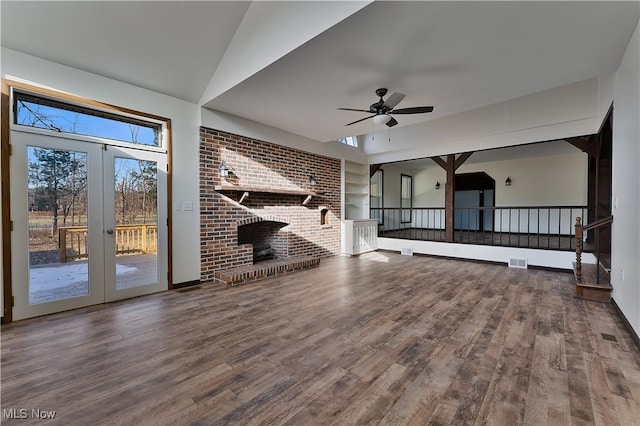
(290, 65)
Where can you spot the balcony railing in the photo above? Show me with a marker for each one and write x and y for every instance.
(543, 227)
(72, 240)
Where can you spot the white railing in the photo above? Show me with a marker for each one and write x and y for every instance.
(360, 236)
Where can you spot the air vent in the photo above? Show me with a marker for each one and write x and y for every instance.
(514, 262)
(407, 251)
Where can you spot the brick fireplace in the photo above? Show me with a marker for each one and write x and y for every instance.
(266, 199)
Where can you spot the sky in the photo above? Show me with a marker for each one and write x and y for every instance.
(44, 116)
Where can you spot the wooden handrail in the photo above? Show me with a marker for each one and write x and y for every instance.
(579, 232)
(598, 223)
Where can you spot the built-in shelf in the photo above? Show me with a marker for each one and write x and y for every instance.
(355, 190)
(246, 190)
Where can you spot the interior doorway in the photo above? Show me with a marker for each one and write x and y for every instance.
(474, 201)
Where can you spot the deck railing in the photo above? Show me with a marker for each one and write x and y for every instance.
(546, 227)
(72, 240)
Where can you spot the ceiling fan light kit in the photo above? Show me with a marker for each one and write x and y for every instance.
(382, 110)
(381, 118)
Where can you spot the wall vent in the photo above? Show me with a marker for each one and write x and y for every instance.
(514, 262)
(408, 251)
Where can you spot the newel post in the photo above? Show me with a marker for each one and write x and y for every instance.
(579, 249)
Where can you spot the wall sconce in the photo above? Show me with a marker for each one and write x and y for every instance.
(224, 169)
(507, 182)
(437, 185)
(312, 180)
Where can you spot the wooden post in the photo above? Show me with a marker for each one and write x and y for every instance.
(449, 198)
(450, 166)
(144, 239)
(578, 231)
(62, 244)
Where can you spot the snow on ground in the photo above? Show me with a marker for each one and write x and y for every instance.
(53, 277)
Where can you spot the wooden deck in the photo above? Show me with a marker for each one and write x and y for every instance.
(375, 339)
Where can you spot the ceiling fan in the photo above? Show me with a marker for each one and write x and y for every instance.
(382, 109)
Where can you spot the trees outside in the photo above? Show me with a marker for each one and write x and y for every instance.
(136, 191)
(58, 184)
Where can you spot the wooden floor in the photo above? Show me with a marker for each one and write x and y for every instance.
(379, 339)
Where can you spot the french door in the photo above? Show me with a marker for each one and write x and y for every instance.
(89, 223)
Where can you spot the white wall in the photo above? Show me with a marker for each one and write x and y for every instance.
(625, 250)
(605, 95)
(233, 124)
(539, 181)
(185, 120)
(546, 258)
(570, 110)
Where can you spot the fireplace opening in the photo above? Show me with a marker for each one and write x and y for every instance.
(267, 238)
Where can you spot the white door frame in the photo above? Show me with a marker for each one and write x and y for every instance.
(101, 262)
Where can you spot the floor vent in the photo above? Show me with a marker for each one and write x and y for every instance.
(407, 251)
(514, 262)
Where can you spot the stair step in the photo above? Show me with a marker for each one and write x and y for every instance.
(601, 286)
(588, 288)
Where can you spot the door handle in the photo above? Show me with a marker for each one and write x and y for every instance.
(109, 231)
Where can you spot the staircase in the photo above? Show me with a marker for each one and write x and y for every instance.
(593, 281)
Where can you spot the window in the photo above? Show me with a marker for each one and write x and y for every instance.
(375, 196)
(42, 113)
(406, 200)
(349, 140)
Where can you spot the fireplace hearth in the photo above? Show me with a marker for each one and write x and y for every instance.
(263, 252)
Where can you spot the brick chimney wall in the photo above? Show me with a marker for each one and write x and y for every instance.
(267, 166)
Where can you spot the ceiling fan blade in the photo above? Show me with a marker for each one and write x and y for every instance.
(392, 122)
(362, 119)
(413, 110)
(394, 100)
(353, 109)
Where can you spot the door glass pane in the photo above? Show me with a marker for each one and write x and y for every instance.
(57, 196)
(136, 232)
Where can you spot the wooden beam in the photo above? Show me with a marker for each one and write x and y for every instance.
(585, 144)
(461, 159)
(440, 162)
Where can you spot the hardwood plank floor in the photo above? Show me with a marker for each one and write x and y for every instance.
(376, 339)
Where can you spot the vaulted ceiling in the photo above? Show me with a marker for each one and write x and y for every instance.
(290, 65)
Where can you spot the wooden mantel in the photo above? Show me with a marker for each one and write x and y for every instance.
(248, 189)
